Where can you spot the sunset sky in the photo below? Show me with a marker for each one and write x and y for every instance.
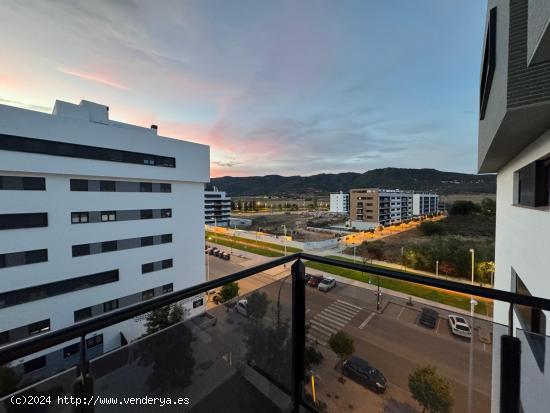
(274, 87)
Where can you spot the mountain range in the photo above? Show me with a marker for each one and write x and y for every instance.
(389, 178)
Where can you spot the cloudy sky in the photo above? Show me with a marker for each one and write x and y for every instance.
(274, 87)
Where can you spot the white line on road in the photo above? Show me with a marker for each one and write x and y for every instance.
(342, 309)
(308, 310)
(332, 320)
(350, 304)
(400, 312)
(364, 323)
(338, 313)
(315, 324)
(438, 324)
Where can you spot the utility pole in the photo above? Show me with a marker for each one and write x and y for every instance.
(436, 269)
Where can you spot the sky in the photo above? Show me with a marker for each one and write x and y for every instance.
(274, 87)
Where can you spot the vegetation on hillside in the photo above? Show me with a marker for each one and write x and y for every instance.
(413, 179)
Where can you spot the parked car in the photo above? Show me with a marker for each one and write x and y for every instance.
(314, 280)
(212, 250)
(242, 307)
(360, 371)
(459, 326)
(307, 277)
(216, 253)
(428, 317)
(326, 284)
(224, 255)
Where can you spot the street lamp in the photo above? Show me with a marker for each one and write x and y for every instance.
(284, 227)
(471, 363)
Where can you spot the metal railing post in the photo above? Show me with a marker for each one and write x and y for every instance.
(510, 369)
(83, 385)
(298, 331)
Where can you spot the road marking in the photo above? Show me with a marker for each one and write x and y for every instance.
(315, 323)
(438, 324)
(342, 309)
(332, 320)
(400, 312)
(338, 314)
(364, 323)
(315, 339)
(350, 304)
(323, 333)
(308, 310)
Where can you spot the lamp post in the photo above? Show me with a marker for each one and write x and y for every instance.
(436, 269)
(284, 227)
(378, 294)
(471, 361)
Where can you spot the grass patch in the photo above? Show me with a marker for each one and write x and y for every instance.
(428, 293)
(245, 241)
(249, 248)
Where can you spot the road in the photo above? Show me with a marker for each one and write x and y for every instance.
(391, 340)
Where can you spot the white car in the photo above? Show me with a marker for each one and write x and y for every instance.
(326, 284)
(242, 307)
(459, 326)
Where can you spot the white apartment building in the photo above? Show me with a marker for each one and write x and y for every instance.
(217, 207)
(425, 203)
(339, 203)
(514, 143)
(372, 207)
(95, 215)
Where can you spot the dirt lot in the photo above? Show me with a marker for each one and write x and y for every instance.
(296, 225)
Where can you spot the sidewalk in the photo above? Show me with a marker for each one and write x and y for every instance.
(254, 259)
(397, 294)
(386, 264)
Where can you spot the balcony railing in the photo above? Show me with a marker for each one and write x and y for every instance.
(281, 353)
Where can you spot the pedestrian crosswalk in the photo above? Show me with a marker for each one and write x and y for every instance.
(331, 320)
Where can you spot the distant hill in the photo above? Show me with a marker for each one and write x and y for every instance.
(389, 178)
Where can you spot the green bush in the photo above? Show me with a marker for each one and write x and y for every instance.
(464, 208)
(430, 228)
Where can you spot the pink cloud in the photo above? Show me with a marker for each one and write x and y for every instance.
(92, 77)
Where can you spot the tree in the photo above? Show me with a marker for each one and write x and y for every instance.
(430, 228)
(168, 352)
(9, 380)
(488, 206)
(257, 305)
(312, 354)
(229, 291)
(342, 344)
(484, 270)
(268, 348)
(464, 208)
(432, 391)
(163, 317)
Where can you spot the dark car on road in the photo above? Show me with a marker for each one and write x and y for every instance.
(360, 371)
(314, 280)
(428, 317)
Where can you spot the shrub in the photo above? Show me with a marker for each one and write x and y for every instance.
(430, 228)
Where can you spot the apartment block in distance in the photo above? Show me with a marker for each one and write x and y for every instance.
(217, 207)
(371, 207)
(514, 143)
(425, 203)
(339, 203)
(95, 215)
